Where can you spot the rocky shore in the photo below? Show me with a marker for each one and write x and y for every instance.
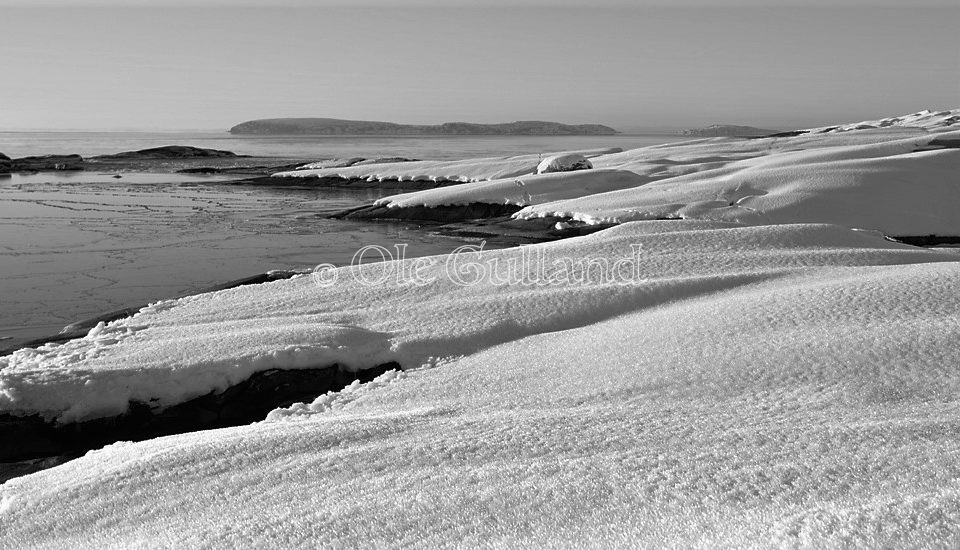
(172, 158)
(43, 163)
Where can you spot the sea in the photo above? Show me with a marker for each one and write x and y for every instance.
(76, 245)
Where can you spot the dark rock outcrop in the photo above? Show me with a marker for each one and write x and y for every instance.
(259, 170)
(727, 130)
(436, 214)
(949, 143)
(927, 240)
(202, 170)
(512, 232)
(266, 170)
(793, 133)
(170, 152)
(333, 126)
(382, 160)
(47, 163)
(35, 443)
(6, 165)
(352, 183)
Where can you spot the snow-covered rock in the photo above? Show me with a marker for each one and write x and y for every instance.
(927, 119)
(787, 385)
(902, 187)
(716, 161)
(564, 163)
(433, 170)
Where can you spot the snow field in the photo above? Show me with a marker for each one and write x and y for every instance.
(787, 385)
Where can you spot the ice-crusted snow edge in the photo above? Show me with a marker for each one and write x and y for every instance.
(462, 171)
(335, 399)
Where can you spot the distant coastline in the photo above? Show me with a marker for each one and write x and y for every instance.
(728, 130)
(333, 126)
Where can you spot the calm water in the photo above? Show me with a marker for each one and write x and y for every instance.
(18, 144)
(76, 245)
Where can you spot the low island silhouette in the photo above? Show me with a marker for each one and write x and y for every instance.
(334, 126)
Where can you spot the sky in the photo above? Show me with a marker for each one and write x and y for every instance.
(210, 64)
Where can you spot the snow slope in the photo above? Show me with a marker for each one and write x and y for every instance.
(927, 119)
(732, 379)
(521, 191)
(788, 385)
(177, 350)
(897, 187)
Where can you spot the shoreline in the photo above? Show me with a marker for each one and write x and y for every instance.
(467, 221)
(31, 330)
(48, 444)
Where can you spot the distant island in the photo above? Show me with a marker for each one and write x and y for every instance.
(333, 126)
(727, 130)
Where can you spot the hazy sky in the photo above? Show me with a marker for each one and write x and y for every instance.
(211, 64)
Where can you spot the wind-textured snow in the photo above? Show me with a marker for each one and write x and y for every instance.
(685, 383)
(792, 385)
(433, 170)
(897, 187)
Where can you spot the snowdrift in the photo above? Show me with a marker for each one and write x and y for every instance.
(791, 383)
(903, 187)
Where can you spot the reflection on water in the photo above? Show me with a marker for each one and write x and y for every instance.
(72, 247)
(125, 178)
